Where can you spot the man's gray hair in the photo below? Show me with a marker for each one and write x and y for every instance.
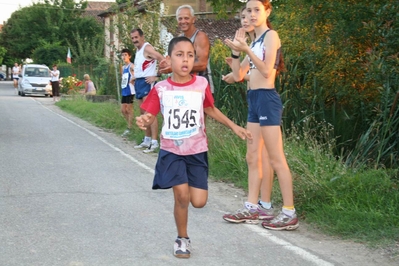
(183, 7)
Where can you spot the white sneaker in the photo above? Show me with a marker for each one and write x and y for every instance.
(152, 148)
(182, 248)
(125, 133)
(143, 145)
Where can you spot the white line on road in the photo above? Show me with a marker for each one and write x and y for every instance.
(103, 140)
(299, 251)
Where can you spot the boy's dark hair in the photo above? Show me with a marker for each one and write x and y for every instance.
(125, 50)
(141, 33)
(176, 40)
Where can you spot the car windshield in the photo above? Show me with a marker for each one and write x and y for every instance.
(37, 72)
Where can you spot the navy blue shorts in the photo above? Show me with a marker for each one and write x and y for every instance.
(172, 170)
(264, 107)
(142, 88)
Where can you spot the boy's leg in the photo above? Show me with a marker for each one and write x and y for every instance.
(182, 200)
(123, 111)
(198, 197)
(129, 111)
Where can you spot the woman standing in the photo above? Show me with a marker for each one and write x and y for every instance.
(264, 104)
(55, 83)
(89, 85)
(260, 173)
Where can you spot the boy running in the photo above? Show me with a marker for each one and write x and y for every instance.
(182, 162)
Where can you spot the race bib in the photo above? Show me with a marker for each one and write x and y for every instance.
(125, 80)
(181, 114)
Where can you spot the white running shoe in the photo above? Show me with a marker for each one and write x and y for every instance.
(125, 133)
(143, 145)
(182, 248)
(152, 148)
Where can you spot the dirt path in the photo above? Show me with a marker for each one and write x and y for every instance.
(344, 252)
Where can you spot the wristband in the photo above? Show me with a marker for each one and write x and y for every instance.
(235, 56)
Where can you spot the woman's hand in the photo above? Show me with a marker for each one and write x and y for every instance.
(239, 44)
(229, 78)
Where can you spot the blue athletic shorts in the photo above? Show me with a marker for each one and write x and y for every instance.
(172, 170)
(264, 107)
(142, 88)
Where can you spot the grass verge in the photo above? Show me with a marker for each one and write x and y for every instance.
(357, 204)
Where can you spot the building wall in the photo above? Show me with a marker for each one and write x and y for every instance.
(112, 41)
(198, 5)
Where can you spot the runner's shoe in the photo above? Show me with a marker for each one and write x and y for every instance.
(244, 215)
(182, 248)
(125, 133)
(282, 222)
(143, 145)
(152, 148)
(265, 214)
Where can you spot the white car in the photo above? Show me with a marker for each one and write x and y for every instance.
(34, 79)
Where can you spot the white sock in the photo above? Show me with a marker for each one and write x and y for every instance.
(266, 205)
(250, 205)
(289, 213)
(147, 139)
(154, 142)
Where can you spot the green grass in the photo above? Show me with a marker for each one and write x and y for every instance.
(358, 204)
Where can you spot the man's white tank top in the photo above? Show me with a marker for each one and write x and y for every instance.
(144, 67)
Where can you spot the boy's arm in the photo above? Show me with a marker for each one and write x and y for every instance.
(151, 105)
(221, 118)
(132, 73)
(145, 120)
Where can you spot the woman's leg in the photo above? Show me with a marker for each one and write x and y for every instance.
(272, 137)
(267, 175)
(258, 175)
(255, 167)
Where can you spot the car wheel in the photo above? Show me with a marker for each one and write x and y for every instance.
(22, 93)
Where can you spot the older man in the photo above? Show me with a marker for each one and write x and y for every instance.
(185, 21)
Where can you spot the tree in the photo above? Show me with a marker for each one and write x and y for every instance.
(2, 54)
(87, 52)
(146, 16)
(47, 53)
(52, 22)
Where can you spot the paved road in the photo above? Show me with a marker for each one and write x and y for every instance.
(72, 194)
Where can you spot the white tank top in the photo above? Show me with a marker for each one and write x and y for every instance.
(144, 67)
